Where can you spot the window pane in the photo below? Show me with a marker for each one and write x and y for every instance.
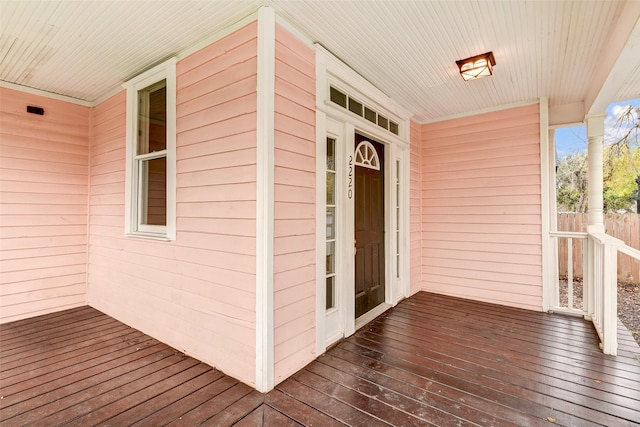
(369, 114)
(383, 122)
(331, 223)
(330, 292)
(331, 154)
(355, 106)
(152, 118)
(153, 191)
(338, 97)
(393, 127)
(331, 186)
(331, 259)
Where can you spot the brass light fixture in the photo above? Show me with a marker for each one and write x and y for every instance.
(477, 66)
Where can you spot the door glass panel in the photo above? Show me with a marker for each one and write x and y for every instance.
(331, 225)
(331, 154)
(331, 186)
(331, 259)
(330, 284)
(330, 267)
(398, 218)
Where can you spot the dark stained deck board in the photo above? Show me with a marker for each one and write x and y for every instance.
(522, 330)
(432, 360)
(298, 410)
(488, 355)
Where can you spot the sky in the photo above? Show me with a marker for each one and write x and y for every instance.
(574, 139)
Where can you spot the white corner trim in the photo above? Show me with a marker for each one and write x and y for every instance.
(545, 205)
(265, 200)
(44, 93)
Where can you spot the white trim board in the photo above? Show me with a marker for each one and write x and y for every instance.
(483, 111)
(330, 71)
(546, 206)
(45, 94)
(265, 130)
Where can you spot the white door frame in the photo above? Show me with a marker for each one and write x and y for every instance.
(337, 122)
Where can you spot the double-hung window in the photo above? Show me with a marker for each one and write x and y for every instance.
(150, 204)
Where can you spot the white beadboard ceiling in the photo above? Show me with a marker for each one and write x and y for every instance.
(576, 52)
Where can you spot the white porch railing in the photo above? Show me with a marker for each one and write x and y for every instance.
(570, 307)
(600, 283)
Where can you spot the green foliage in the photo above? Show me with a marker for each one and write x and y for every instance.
(621, 168)
(571, 183)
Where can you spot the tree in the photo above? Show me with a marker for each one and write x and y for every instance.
(622, 161)
(571, 183)
(626, 128)
(621, 167)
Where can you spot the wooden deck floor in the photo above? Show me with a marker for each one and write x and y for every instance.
(432, 360)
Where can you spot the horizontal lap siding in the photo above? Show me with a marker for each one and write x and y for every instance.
(43, 210)
(481, 211)
(294, 210)
(196, 293)
(415, 207)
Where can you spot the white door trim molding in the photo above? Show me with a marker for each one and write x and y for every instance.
(334, 120)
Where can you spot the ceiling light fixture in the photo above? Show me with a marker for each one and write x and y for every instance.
(477, 66)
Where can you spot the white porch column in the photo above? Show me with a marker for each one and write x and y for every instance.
(595, 136)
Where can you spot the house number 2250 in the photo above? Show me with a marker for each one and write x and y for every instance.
(350, 177)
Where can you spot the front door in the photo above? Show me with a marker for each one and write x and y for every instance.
(369, 225)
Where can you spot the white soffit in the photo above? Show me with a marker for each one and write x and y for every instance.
(408, 49)
(87, 49)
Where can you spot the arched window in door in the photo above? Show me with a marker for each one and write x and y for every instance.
(366, 156)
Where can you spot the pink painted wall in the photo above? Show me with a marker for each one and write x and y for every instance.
(294, 210)
(43, 209)
(196, 293)
(481, 208)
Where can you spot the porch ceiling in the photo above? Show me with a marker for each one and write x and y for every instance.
(577, 53)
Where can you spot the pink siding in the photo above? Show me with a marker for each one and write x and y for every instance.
(198, 292)
(415, 206)
(43, 214)
(294, 211)
(481, 212)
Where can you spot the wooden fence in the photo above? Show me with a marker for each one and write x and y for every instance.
(625, 227)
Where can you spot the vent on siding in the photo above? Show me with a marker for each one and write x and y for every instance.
(347, 102)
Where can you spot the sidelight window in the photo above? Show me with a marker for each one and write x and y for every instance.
(331, 220)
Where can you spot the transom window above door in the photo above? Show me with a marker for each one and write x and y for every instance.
(340, 98)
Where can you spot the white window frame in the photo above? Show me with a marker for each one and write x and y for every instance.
(133, 203)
